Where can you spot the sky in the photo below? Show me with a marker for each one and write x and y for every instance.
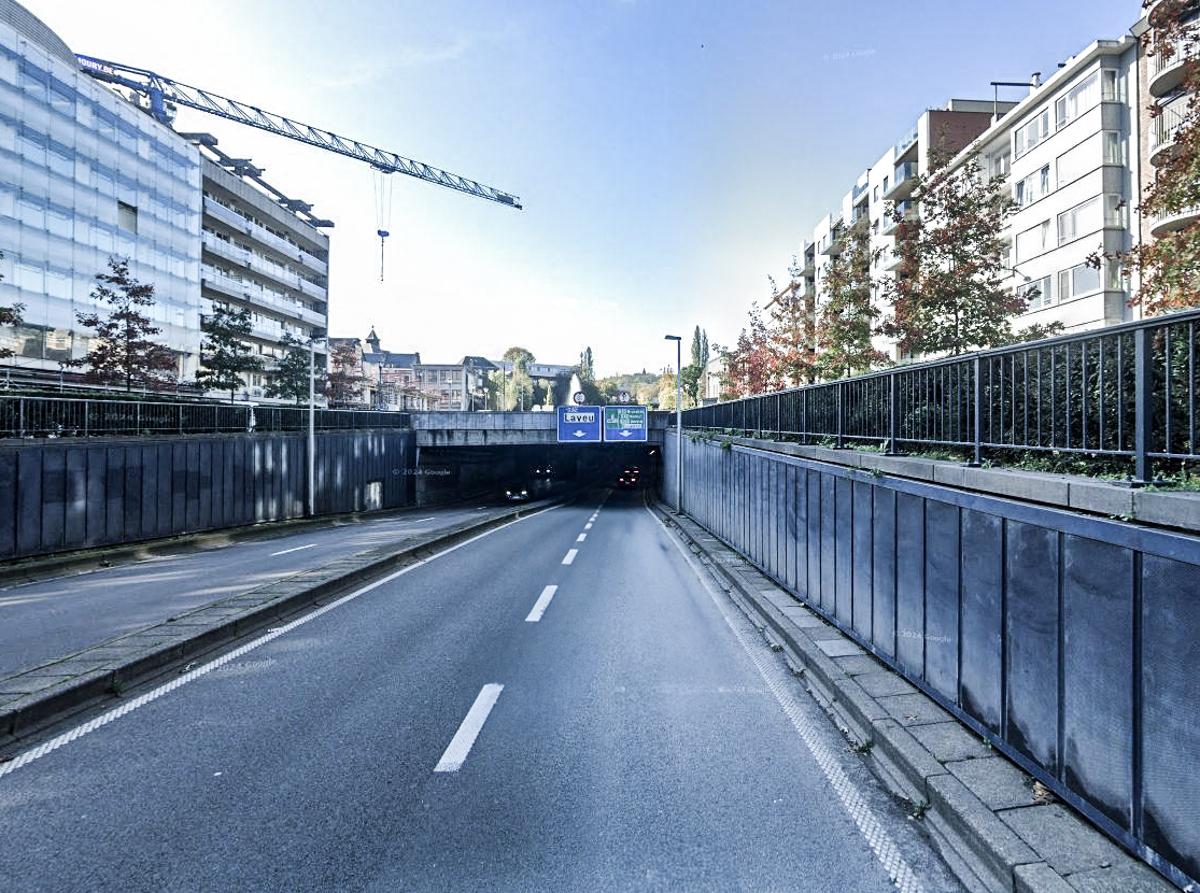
(669, 155)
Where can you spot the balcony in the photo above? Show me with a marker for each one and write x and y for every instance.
(905, 143)
(263, 236)
(1170, 222)
(890, 260)
(903, 184)
(1162, 133)
(228, 216)
(835, 242)
(906, 210)
(1167, 69)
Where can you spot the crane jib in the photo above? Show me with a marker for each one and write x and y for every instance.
(162, 91)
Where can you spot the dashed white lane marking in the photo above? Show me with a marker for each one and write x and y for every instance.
(53, 744)
(581, 538)
(587, 526)
(293, 549)
(855, 804)
(464, 738)
(570, 556)
(540, 606)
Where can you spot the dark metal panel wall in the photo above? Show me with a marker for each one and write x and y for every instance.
(1071, 641)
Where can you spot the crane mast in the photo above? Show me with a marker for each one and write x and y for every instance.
(164, 95)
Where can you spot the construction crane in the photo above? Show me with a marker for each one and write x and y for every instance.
(163, 97)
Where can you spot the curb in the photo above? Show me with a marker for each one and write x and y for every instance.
(73, 683)
(919, 751)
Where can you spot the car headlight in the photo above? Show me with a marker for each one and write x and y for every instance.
(508, 492)
(524, 492)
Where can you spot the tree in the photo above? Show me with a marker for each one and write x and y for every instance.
(122, 350)
(520, 389)
(693, 373)
(847, 319)
(9, 316)
(948, 296)
(291, 377)
(344, 383)
(749, 365)
(587, 371)
(791, 333)
(1169, 265)
(225, 355)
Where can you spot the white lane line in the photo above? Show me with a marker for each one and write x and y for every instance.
(53, 744)
(588, 525)
(540, 606)
(855, 804)
(570, 556)
(581, 538)
(464, 738)
(295, 549)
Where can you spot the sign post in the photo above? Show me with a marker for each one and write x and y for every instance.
(579, 424)
(626, 424)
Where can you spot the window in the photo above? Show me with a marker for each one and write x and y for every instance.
(875, 194)
(1082, 219)
(1033, 241)
(127, 217)
(1076, 162)
(1077, 281)
(1114, 151)
(1110, 85)
(885, 184)
(1036, 293)
(1033, 187)
(1078, 100)
(999, 164)
(1028, 136)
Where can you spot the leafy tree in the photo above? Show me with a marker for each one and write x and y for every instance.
(587, 371)
(344, 383)
(1037, 332)
(948, 295)
(847, 319)
(9, 316)
(693, 373)
(122, 350)
(1169, 266)
(750, 364)
(291, 376)
(790, 332)
(225, 355)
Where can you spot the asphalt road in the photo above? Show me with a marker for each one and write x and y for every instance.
(463, 726)
(46, 620)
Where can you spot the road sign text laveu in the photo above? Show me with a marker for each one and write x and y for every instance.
(579, 418)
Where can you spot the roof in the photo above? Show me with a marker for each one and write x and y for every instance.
(478, 362)
(392, 360)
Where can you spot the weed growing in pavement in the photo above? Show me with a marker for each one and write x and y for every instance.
(863, 747)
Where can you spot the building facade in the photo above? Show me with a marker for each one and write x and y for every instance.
(263, 257)
(85, 176)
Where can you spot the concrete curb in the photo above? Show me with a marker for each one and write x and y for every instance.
(35, 698)
(969, 796)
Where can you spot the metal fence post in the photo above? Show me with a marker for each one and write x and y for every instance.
(180, 413)
(21, 417)
(893, 415)
(137, 418)
(977, 412)
(804, 417)
(1143, 416)
(841, 413)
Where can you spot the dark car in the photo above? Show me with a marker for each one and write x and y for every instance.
(627, 481)
(517, 491)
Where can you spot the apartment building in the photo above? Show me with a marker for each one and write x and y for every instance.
(1071, 153)
(261, 256)
(84, 176)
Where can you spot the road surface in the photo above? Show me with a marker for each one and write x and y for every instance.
(561, 704)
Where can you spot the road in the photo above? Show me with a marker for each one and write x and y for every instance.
(45, 620)
(464, 726)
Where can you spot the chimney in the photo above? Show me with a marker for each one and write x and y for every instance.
(1035, 81)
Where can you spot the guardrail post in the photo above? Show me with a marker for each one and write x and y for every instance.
(179, 412)
(893, 415)
(137, 418)
(1143, 416)
(977, 412)
(21, 417)
(841, 414)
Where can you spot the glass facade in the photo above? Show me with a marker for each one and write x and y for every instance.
(84, 176)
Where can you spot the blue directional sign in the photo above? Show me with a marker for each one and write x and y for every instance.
(626, 424)
(579, 424)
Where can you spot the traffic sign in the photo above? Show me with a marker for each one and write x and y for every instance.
(579, 424)
(624, 396)
(626, 424)
(579, 397)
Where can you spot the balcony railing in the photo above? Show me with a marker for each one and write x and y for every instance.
(905, 141)
(905, 210)
(1124, 392)
(903, 177)
(1166, 126)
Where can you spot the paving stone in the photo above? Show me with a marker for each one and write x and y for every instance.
(78, 666)
(839, 647)
(824, 632)
(1038, 877)
(858, 665)
(949, 741)
(881, 683)
(913, 710)
(995, 781)
(29, 683)
(802, 617)
(1126, 876)
(1063, 840)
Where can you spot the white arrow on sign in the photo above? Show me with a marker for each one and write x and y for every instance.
(626, 433)
(580, 434)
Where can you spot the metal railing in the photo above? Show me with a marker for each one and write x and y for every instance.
(82, 417)
(1127, 391)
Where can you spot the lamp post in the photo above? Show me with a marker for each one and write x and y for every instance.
(678, 420)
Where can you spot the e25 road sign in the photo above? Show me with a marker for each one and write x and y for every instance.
(626, 424)
(579, 424)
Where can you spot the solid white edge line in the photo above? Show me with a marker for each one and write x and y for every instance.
(294, 549)
(464, 739)
(570, 556)
(581, 538)
(856, 806)
(53, 744)
(540, 606)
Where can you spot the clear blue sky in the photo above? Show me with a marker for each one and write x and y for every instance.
(670, 155)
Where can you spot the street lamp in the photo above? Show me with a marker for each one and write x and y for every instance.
(312, 427)
(678, 420)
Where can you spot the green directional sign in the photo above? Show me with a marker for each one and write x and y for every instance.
(626, 424)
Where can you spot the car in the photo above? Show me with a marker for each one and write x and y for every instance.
(517, 491)
(627, 481)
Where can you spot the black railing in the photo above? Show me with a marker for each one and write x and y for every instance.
(1127, 391)
(77, 417)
